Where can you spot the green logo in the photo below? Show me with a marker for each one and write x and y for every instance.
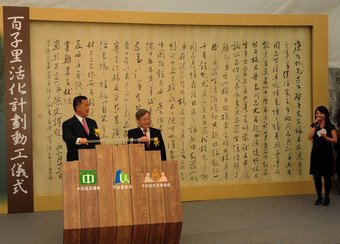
(88, 177)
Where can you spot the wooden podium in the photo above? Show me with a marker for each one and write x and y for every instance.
(121, 194)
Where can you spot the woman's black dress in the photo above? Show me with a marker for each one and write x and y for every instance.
(322, 158)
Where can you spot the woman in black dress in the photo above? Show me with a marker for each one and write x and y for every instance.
(323, 134)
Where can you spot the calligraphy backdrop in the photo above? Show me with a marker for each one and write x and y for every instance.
(229, 100)
(234, 102)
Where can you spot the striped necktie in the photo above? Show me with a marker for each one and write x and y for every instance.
(85, 126)
(145, 134)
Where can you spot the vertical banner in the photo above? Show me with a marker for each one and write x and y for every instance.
(3, 166)
(17, 79)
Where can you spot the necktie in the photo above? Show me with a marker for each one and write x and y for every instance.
(145, 134)
(85, 126)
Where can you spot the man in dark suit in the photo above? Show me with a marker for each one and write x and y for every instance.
(144, 132)
(79, 129)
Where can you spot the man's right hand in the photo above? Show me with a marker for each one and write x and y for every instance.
(83, 141)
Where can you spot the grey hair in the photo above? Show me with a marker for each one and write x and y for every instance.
(140, 113)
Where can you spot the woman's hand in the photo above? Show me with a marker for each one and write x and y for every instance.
(315, 124)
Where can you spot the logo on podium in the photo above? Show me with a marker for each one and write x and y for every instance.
(122, 178)
(155, 180)
(88, 177)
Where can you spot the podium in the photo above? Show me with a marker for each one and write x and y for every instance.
(121, 194)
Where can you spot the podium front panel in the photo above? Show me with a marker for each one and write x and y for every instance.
(89, 235)
(107, 235)
(124, 234)
(105, 182)
(155, 186)
(140, 234)
(72, 236)
(140, 201)
(122, 185)
(89, 215)
(71, 195)
(173, 233)
(121, 194)
(172, 194)
(157, 233)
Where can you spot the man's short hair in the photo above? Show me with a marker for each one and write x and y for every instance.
(140, 113)
(77, 101)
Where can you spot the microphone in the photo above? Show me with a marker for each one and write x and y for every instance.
(315, 124)
(123, 141)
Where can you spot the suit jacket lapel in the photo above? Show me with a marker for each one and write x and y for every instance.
(153, 133)
(79, 124)
(140, 132)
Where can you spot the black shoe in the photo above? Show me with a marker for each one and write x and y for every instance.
(318, 201)
(326, 202)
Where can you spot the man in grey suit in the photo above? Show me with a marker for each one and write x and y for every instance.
(79, 129)
(144, 132)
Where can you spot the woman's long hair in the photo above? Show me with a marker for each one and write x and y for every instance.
(323, 110)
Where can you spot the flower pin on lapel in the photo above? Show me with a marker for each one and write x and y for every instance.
(156, 141)
(97, 132)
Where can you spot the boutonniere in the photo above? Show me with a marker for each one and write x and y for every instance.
(97, 132)
(155, 141)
